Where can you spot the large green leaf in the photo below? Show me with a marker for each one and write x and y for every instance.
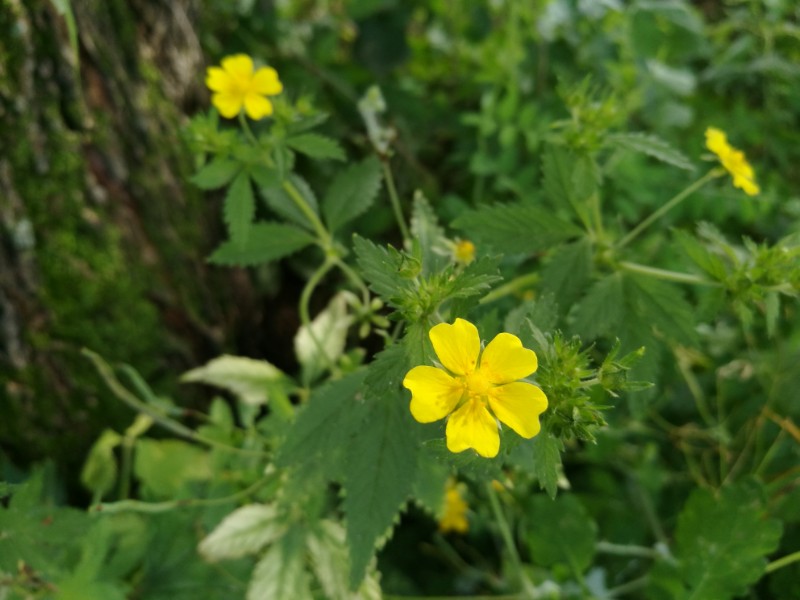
(518, 228)
(661, 305)
(560, 531)
(239, 209)
(566, 274)
(602, 309)
(217, 173)
(381, 464)
(266, 242)
(383, 268)
(569, 180)
(654, 146)
(351, 193)
(722, 541)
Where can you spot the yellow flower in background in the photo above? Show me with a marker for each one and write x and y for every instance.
(464, 252)
(733, 160)
(236, 85)
(476, 389)
(454, 515)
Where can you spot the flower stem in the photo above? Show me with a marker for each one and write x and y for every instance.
(395, 200)
(667, 275)
(107, 374)
(669, 205)
(782, 562)
(508, 539)
(322, 233)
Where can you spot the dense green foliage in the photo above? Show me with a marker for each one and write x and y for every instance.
(565, 140)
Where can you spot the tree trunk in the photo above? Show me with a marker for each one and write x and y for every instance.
(102, 240)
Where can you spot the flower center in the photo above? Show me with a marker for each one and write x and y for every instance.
(477, 384)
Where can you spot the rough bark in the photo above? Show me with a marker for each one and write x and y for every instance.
(102, 241)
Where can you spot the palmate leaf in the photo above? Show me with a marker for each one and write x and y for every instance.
(518, 228)
(239, 210)
(381, 463)
(560, 532)
(266, 242)
(316, 146)
(654, 146)
(721, 544)
(351, 193)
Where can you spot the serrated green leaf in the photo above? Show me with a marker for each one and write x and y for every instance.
(239, 210)
(351, 193)
(654, 146)
(542, 312)
(245, 531)
(722, 542)
(566, 274)
(476, 278)
(316, 146)
(382, 269)
(428, 235)
(560, 531)
(569, 180)
(429, 488)
(324, 425)
(282, 203)
(710, 263)
(281, 571)
(381, 463)
(249, 379)
(602, 309)
(216, 174)
(662, 306)
(266, 242)
(515, 228)
(542, 456)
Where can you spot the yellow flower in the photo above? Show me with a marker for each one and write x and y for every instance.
(733, 160)
(454, 515)
(464, 252)
(237, 85)
(473, 383)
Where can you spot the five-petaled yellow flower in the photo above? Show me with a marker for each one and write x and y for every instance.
(454, 515)
(476, 388)
(733, 160)
(237, 85)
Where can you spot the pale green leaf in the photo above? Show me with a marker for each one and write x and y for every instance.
(518, 228)
(316, 146)
(654, 146)
(602, 309)
(722, 541)
(322, 342)
(216, 174)
(281, 571)
(351, 193)
(560, 531)
(239, 210)
(266, 242)
(99, 472)
(164, 466)
(247, 378)
(245, 531)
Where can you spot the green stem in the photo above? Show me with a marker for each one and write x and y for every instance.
(630, 586)
(354, 277)
(297, 198)
(518, 283)
(666, 275)
(669, 205)
(305, 299)
(246, 128)
(395, 200)
(782, 562)
(158, 507)
(179, 429)
(627, 550)
(508, 538)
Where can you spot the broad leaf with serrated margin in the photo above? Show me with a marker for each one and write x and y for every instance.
(281, 202)
(566, 274)
(569, 179)
(602, 309)
(710, 263)
(351, 193)
(662, 305)
(217, 173)
(266, 242)
(281, 571)
(382, 268)
(516, 228)
(245, 531)
(429, 235)
(239, 210)
(316, 146)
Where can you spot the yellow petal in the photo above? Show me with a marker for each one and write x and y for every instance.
(218, 80)
(239, 66)
(456, 345)
(519, 405)
(717, 142)
(266, 82)
(228, 105)
(434, 394)
(505, 360)
(471, 426)
(257, 107)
